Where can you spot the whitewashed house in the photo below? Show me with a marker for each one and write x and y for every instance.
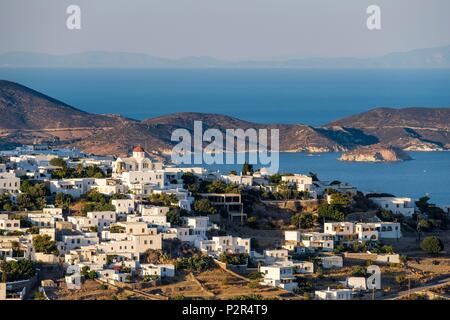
(123, 206)
(333, 294)
(404, 206)
(279, 276)
(160, 270)
(9, 183)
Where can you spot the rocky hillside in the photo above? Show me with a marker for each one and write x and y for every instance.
(414, 129)
(24, 108)
(28, 116)
(376, 153)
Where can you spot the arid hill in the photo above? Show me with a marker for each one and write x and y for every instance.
(420, 129)
(28, 116)
(24, 108)
(376, 153)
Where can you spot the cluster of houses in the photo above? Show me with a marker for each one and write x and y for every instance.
(112, 243)
(279, 269)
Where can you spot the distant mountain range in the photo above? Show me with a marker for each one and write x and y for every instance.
(28, 116)
(420, 58)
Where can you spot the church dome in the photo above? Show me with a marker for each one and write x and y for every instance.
(138, 148)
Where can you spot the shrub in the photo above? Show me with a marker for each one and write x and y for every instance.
(358, 271)
(401, 279)
(45, 244)
(432, 245)
(195, 263)
(234, 259)
(16, 270)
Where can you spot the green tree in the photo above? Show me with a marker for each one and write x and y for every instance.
(303, 220)
(204, 206)
(24, 201)
(63, 200)
(331, 212)
(13, 270)
(163, 199)
(422, 204)
(216, 186)
(45, 244)
(58, 162)
(173, 216)
(92, 274)
(247, 169)
(432, 245)
(341, 200)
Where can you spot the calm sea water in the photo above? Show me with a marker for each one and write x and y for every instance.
(428, 174)
(285, 96)
(314, 97)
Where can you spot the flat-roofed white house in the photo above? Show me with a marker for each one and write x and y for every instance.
(123, 206)
(9, 224)
(302, 267)
(71, 242)
(357, 283)
(318, 241)
(44, 219)
(333, 261)
(72, 187)
(160, 270)
(279, 276)
(199, 226)
(388, 230)
(292, 236)
(146, 210)
(108, 186)
(404, 206)
(225, 244)
(277, 255)
(333, 294)
(53, 211)
(9, 183)
(378, 230)
(300, 181)
(366, 231)
(343, 232)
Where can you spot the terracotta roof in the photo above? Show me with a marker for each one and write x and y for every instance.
(138, 148)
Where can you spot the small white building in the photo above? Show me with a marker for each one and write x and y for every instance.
(357, 283)
(333, 261)
(73, 281)
(160, 270)
(318, 241)
(279, 276)
(404, 206)
(366, 231)
(9, 224)
(9, 183)
(225, 244)
(273, 256)
(124, 206)
(333, 294)
(301, 182)
(72, 187)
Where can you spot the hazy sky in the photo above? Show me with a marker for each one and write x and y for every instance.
(227, 29)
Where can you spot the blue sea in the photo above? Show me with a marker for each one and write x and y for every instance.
(313, 97)
(428, 174)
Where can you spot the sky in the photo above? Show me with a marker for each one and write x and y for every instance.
(227, 29)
